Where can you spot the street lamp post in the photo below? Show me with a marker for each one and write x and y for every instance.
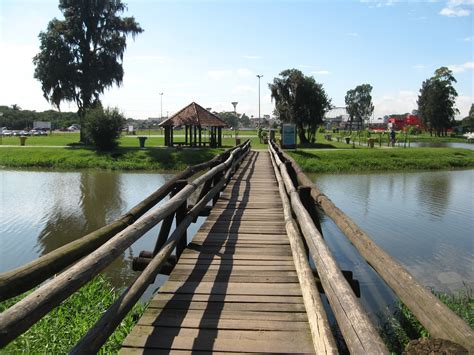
(161, 106)
(259, 76)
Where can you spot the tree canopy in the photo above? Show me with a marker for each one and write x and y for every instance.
(82, 55)
(16, 118)
(359, 103)
(301, 100)
(229, 117)
(437, 99)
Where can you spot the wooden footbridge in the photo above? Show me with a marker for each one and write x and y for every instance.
(244, 284)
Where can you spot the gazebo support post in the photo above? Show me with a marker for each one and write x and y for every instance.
(186, 135)
(200, 136)
(219, 137)
(195, 135)
(171, 135)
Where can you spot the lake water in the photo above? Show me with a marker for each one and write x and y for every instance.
(425, 220)
(41, 211)
(438, 145)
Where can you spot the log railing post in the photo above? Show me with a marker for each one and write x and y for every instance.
(180, 214)
(308, 203)
(215, 181)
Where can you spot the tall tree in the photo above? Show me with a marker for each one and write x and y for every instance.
(437, 99)
(82, 55)
(301, 100)
(359, 103)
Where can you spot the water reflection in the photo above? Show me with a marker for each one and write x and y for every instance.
(434, 193)
(423, 219)
(42, 211)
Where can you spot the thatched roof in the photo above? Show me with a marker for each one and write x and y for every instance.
(194, 115)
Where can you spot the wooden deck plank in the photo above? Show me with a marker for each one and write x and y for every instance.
(235, 288)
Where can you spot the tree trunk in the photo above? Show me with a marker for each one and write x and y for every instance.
(301, 134)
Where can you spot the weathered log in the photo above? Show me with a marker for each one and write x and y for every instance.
(434, 315)
(23, 278)
(21, 316)
(360, 334)
(105, 326)
(323, 339)
(140, 263)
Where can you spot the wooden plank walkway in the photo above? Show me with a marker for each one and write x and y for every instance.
(235, 287)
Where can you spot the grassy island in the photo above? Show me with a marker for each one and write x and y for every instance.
(394, 159)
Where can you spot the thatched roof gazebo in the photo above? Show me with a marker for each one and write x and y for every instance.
(195, 120)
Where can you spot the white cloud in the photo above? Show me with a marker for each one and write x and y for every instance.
(379, 3)
(457, 8)
(399, 102)
(252, 57)
(353, 34)
(244, 89)
(463, 104)
(243, 72)
(220, 74)
(419, 66)
(468, 39)
(459, 68)
(147, 58)
(321, 72)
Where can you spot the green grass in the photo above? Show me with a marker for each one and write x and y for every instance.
(397, 159)
(155, 139)
(402, 326)
(62, 328)
(158, 159)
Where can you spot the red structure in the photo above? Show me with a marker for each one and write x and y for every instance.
(401, 123)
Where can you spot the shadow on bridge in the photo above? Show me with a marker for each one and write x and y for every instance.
(194, 309)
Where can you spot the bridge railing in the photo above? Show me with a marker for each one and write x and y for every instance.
(20, 317)
(435, 316)
(359, 333)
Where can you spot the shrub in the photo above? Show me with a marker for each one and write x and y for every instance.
(102, 127)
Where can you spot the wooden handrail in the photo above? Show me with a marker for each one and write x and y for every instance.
(433, 314)
(323, 339)
(25, 277)
(21, 316)
(359, 333)
(105, 326)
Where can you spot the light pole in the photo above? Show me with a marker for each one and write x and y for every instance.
(161, 106)
(259, 76)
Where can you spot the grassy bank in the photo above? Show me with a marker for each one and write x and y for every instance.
(63, 327)
(365, 160)
(155, 138)
(159, 159)
(402, 326)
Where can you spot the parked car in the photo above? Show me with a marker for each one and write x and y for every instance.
(74, 127)
(24, 133)
(7, 132)
(38, 132)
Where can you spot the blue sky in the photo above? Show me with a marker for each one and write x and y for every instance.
(211, 51)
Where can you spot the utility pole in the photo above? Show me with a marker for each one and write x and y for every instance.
(161, 106)
(259, 76)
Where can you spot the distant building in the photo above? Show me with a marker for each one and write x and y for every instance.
(336, 118)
